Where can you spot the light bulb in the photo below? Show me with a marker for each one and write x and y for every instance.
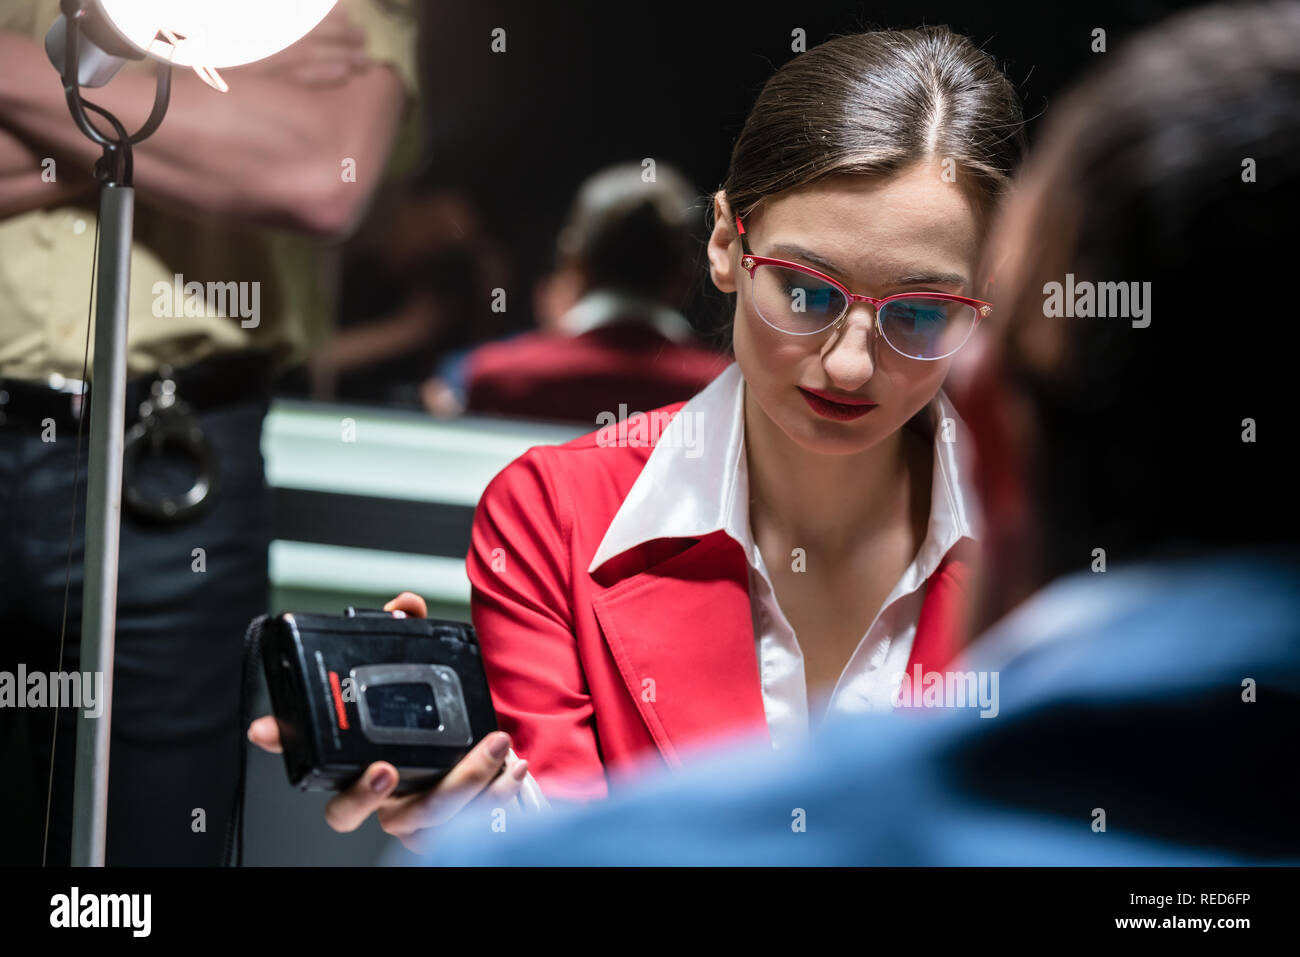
(210, 34)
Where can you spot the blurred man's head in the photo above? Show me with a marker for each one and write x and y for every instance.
(631, 230)
(1146, 309)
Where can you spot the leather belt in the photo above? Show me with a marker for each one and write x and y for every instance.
(218, 380)
(161, 411)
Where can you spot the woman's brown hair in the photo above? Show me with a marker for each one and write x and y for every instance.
(874, 104)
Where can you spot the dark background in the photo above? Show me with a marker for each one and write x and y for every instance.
(584, 84)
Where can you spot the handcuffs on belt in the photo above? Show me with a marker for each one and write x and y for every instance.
(167, 421)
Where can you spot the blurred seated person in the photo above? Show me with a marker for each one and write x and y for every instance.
(610, 332)
(412, 286)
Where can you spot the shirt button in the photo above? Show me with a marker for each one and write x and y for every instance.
(78, 226)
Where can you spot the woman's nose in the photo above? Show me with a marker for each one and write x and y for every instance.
(849, 356)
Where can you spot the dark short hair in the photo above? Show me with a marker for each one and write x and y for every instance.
(632, 229)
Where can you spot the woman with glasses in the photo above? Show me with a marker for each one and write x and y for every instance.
(790, 542)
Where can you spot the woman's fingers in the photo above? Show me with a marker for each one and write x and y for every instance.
(347, 810)
(265, 733)
(464, 782)
(501, 793)
(410, 603)
(506, 786)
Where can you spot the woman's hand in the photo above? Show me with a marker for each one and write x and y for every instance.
(476, 779)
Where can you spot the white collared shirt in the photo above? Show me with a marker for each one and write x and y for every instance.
(696, 481)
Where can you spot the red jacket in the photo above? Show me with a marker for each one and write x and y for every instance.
(568, 653)
(575, 378)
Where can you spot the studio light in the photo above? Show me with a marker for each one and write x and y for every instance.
(199, 34)
(88, 44)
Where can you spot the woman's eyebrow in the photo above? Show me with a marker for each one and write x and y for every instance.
(906, 279)
(931, 279)
(791, 249)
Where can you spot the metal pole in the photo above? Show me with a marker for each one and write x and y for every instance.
(103, 517)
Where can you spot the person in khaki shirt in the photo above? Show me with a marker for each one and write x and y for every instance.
(242, 192)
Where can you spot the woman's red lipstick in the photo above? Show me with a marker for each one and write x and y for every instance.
(841, 408)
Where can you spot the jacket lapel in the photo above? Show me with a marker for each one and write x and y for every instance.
(682, 635)
(941, 627)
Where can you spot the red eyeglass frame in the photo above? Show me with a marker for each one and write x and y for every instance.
(749, 262)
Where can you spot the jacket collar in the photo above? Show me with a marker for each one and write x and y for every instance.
(681, 634)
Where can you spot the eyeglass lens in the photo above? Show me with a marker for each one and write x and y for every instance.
(917, 326)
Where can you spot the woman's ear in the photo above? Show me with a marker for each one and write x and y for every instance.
(722, 261)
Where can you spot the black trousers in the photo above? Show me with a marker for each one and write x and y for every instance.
(175, 723)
